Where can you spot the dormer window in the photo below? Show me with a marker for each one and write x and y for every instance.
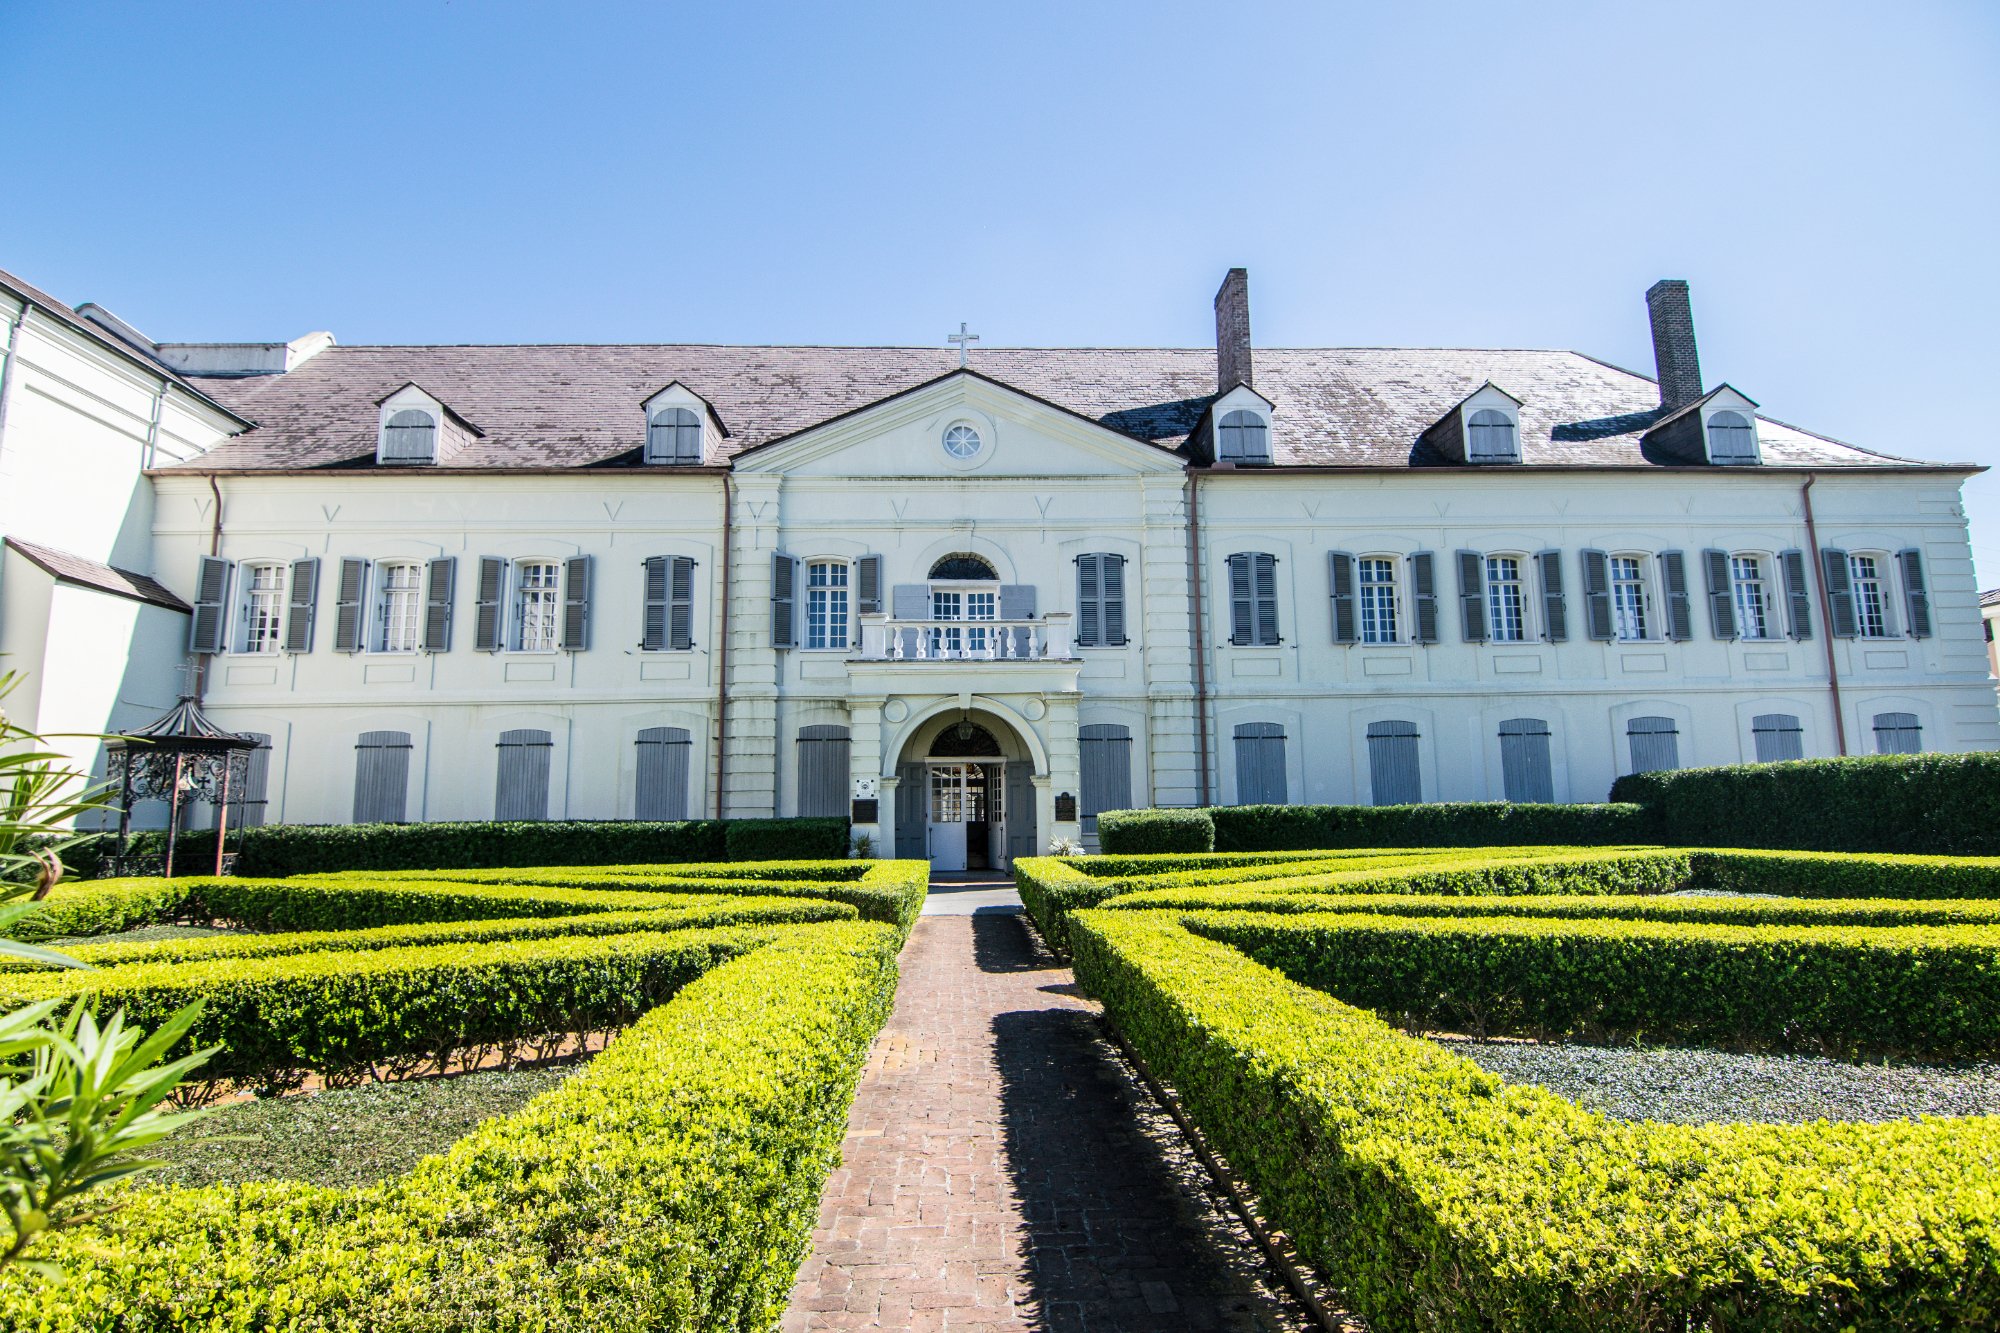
(674, 436)
(1491, 437)
(410, 437)
(1243, 437)
(1731, 438)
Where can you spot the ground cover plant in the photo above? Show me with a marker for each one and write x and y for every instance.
(670, 1182)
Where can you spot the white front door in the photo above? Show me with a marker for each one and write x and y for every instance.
(950, 806)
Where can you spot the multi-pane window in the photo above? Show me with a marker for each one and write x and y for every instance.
(963, 604)
(537, 607)
(1377, 583)
(826, 604)
(262, 626)
(1506, 605)
(1753, 602)
(1871, 616)
(1628, 598)
(399, 608)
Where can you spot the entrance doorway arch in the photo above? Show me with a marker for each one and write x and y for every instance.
(965, 793)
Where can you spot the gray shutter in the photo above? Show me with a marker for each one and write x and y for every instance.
(1680, 615)
(1655, 744)
(784, 601)
(1242, 602)
(381, 777)
(440, 583)
(1105, 754)
(1114, 601)
(653, 624)
(1798, 596)
(1721, 599)
(486, 625)
(1916, 593)
(823, 766)
(248, 800)
(1898, 733)
(1017, 601)
(1340, 583)
(868, 586)
(1393, 772)
(1089, 601)
(680, 604)
(522, 789)
(303, 606)
(349, 622)
(1472, 596)
(1839, 582)
(1555, 615)
(576, 604)
(1265, 567)
(1597, 595)
(912, 811)
(211, 607)
(1260, 764)
(662, 786)
(1423, 596)
(1021, 831)
(1525, 772)
(1777, 737)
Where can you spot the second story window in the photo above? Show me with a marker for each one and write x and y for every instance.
(674, 436)
(1871, 615)
(1253, 599)
(1753, 602)
(260, 627)
(1628, 598)
(537, 607)
(410, 437)
(399, 608)
(1242, 437)
(1506, 604)
(827, 618)
(1376, 587)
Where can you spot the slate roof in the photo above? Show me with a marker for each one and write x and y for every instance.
(1991, 597)
(104, 578)
(563, 406)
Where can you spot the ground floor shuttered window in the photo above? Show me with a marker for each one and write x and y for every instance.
(1525, 772)
(1777, 736)
(381, 777)
(1655, 743)
(1393, 774)
(662, 783)
(1260, 764)
(823, 758)
(1898, 733)
(1106, 754)
(522, 787)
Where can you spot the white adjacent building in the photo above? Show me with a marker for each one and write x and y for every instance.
(970, 605)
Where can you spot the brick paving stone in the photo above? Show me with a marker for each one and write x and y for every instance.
(1005, 1170)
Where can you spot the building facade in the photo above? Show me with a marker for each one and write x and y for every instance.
(972, 605)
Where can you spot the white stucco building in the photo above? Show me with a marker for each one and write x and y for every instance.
(970, 606)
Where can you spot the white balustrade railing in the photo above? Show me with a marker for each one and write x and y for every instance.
(887, 640)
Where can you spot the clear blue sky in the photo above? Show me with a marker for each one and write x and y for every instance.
(1483, 174)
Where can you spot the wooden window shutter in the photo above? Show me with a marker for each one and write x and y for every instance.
(1555, 614)
(1778, 737)
(210, 622)
(1017, 601)
(248, 806)
(440, 584)
(868, 586)
(381, 777)
(1916, 593)
(1340, 586)
(1680, 615)
(1839, 580)
(486, 626)
(1898, 733)
(576, 604)
(1597, 595)
(1242, 606)
(521, 789)
(823, 770)
(302, 606)
(1655, 743)
(1525, 773)
(1394, 773)
(1260, 764)
(1798, 595)
(349, 620)
(662, 778)
(784, 600)
(1423, 596)
(1089, 601)
(1105, 755)
(1265, 566)
(1114, 601)
(1721, 596)
(653, 632)
(680, 606)
(1472, 595)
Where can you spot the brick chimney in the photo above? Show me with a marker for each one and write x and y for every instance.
(1232, 331)
(1673, 343)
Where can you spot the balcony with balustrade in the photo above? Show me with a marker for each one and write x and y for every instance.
(918, 642)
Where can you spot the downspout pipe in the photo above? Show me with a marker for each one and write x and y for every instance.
(1200, 632)
(1825, 617)
(722, 648)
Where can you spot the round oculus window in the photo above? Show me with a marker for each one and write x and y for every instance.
(962, 441)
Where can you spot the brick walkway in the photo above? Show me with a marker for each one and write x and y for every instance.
(1004, 1170)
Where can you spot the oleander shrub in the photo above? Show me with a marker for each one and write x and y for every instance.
(1920, 803)
(1435, 1195)
(1153, 831)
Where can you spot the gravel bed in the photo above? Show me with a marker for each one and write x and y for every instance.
(1700, 1087)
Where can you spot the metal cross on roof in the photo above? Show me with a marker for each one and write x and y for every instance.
(964, 341)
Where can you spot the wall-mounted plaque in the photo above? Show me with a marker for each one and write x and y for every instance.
(1066, 808)
(866, 812)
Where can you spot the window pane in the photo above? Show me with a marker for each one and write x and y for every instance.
(1377, 589)
(1628, 598)
(1752, 603)
(537, 603)
(1506, 613)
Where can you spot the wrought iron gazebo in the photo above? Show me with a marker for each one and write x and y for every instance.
(179, 757)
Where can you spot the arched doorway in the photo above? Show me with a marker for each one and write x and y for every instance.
(965, 795)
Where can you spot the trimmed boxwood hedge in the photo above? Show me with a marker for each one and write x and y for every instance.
(1159, 830)
(1927, 803)
(670, 1185)
(1277, 828)
(1437, 1196)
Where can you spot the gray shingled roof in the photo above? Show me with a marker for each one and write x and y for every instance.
(104, 578)
(573, 406)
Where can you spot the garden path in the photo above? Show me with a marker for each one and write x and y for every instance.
(1005, 1170)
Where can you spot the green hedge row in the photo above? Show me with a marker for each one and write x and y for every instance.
(296, 849)
(1929, 803)
(1918, 992)
(671, 1185)
(1436, 1196)
(1847, 875)
(1275, 828)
